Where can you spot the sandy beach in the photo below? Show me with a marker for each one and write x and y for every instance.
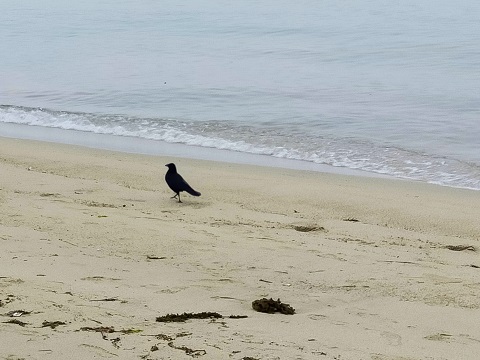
(94, 250)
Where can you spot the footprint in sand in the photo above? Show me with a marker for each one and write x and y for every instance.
(316, 317)
(392, 338)
(439, 337)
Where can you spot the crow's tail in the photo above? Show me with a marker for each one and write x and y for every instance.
(192, 192)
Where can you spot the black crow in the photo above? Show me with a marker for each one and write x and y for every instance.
(176, 182)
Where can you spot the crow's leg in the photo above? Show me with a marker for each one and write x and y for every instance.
(174, 196)
(179, 198)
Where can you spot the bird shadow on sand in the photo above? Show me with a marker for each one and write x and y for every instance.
(187, 203)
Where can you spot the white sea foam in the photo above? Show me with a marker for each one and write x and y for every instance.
(222, 135)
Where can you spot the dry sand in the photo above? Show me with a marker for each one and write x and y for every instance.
(371, 279)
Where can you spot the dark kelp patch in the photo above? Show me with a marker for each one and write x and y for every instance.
(109, 299)
(109, 330)
(461, 247)
(100, 329)
(154, 257)
(186, 316)
(351, 219)
(238, 317)
(271, 306)
(170, 343)
(308, 228)
(105, 330)
(52, 324)
(16, 321)
(203, 315)
(17, 313)
(188, 351)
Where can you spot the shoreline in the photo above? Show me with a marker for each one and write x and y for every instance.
(375, 268)
(136, 145)
(155, 147)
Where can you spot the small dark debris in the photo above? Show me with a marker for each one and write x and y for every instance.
(115, 342)
(186, 316)
(8, 300)
(130, 331)
(265, 281)
(94, 278)
(271, 306)
(52, 324)
(154, 348)
(308, 228)
(17, 313)
(188, 351)
(183, 334)
(164, 337)
(173, 337)
(153, 257)
(475, 266)
(16, 321)
(351, 220)
(461, 247)
(249, 358)
(106, 299)
(399, 262)
(100, 329)
(99, 278)
(238, 317)
(97, 204)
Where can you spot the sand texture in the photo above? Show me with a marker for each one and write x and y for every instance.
(94, 250)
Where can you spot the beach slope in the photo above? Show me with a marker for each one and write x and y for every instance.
(94, 250)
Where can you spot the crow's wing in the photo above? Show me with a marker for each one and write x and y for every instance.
(177, 184)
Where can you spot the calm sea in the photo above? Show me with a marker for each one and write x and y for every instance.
(388, 87)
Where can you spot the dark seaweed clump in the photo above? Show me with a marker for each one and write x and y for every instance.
(186, 316)
(271, 306)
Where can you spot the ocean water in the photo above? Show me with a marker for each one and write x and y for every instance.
(385, 87)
